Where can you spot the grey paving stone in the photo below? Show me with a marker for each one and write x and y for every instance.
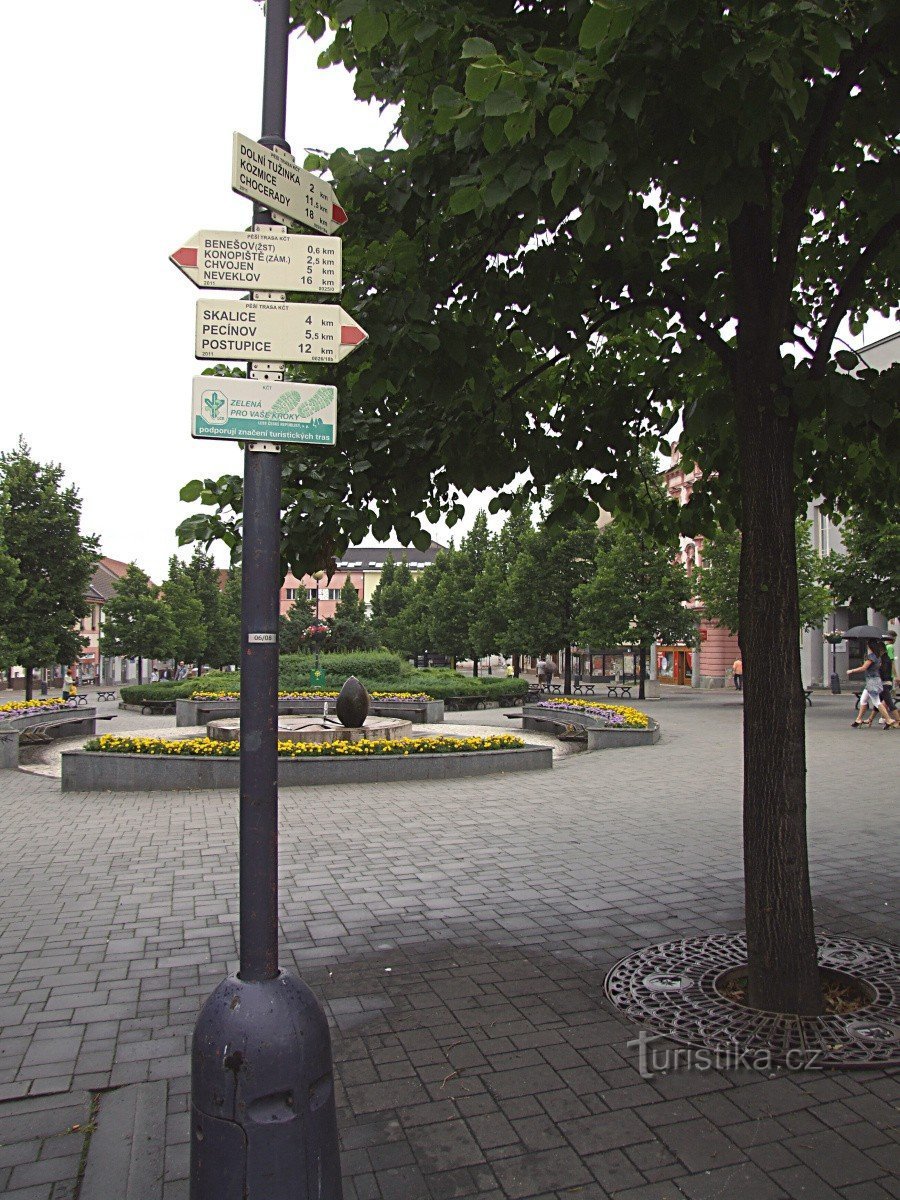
(126, 1155)
(460, 935)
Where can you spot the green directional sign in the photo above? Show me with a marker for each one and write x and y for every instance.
(256, 410)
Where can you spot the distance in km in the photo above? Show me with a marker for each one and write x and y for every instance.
(261, 261)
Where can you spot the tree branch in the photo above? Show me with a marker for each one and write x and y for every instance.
(846, 293)
(795, 205)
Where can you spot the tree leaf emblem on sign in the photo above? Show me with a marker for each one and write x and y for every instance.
(213, 402)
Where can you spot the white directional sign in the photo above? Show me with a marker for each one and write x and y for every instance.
(265, 331)
(262, 261)
(274, 180)
(256, 410)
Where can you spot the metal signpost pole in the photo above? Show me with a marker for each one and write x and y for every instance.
(263, 1117)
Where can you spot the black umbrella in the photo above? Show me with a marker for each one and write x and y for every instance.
(869, 631)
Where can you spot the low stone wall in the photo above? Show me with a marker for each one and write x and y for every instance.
(69, 722)
(599, 735)
(90, 771)
(189, 713)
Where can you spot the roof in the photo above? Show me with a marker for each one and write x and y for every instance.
(114, 566)
(104, 582)
(372, 558)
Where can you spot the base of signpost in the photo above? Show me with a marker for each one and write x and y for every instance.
(263, 1116)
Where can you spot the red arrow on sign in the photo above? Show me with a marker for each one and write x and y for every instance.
(185, 257)
(338, 215)
(352, 335)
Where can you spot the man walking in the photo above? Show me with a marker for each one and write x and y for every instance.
(738, 674)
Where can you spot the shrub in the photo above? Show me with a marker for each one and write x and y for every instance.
(371, 667)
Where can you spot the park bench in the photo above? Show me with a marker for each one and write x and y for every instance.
(106, 695)
(165, 708)
(79, 701)
(41, 733)
(583, 689)
(619, 691)
(807, 695)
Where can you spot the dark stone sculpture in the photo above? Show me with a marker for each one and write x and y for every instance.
(352, 706)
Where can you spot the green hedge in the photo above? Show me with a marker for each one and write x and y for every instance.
(441, 683)
(371, 667)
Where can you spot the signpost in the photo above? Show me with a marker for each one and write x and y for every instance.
(272, 179)
(272, 332)
(263, 1113)
(261, 261)
(256, 410)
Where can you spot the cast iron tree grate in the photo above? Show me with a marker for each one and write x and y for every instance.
(672, 989)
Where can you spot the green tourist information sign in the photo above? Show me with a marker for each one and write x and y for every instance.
(256, 410)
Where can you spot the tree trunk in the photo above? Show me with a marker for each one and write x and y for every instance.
(567, 670)
(29, 683)
(783, 970)
(140, 663)
(517, 665)
(642, 669)
(474, 666)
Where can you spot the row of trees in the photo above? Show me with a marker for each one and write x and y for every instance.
(188, 618)
(532, 589)
(46, 564)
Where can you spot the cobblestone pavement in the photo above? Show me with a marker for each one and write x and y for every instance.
(459, 934)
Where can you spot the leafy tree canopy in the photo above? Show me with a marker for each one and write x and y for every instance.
(719, 576)
(293, 626)
(137, 623)
(350, 628)
(691, 191)
(868, 574)
(52, 559)
(190, 622)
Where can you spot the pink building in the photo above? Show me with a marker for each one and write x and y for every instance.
(327, 590)
(717, 648)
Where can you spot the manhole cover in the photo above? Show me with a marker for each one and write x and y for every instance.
(671, 989)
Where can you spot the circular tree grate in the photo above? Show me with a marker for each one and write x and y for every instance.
(672, 989)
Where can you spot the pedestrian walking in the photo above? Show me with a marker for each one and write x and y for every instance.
(872, 686)
(886, 667)
(737, 674)
(548, 673)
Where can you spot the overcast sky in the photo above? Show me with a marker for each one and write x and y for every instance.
(119, 120)
(117, 145)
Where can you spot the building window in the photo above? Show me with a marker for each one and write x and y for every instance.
(290, 593)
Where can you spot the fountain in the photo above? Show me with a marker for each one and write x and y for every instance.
(353, 723)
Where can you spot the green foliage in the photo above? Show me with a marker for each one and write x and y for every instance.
(717, 580)
(388, 604)
(349, 626)
(137, 623)
(189, 619)
(868, 575)
(201, 571)
(553, 561)
(10, 588)
(371, 667)
(165, 690)
(293, 625)
(48, 561)
(374, 670)
(223, 647)
(637, 594)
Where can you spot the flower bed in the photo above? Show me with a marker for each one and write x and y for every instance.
(109, 743)
(21, 708)
(317, 695)
(619, 716)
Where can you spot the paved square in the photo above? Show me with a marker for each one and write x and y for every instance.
(458, 934)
